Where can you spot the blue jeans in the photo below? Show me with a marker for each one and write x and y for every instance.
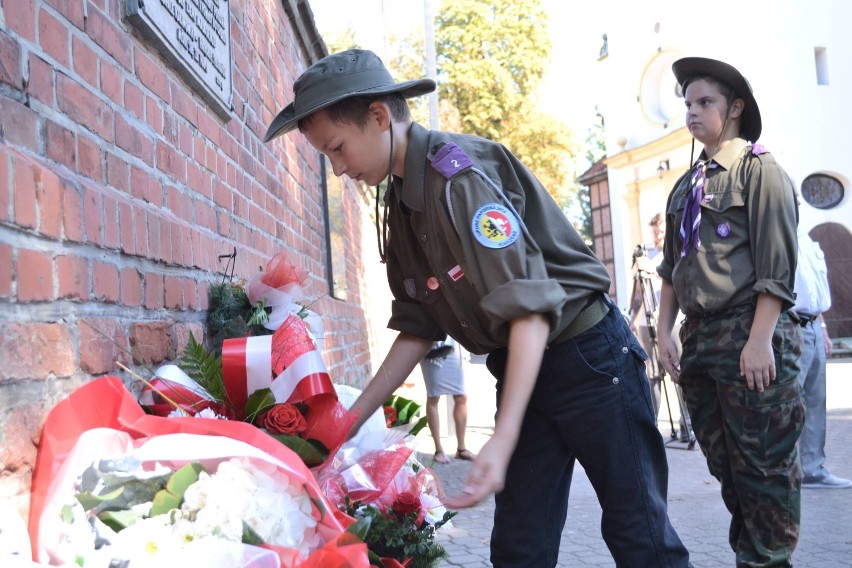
(591, 403)
(812, 380)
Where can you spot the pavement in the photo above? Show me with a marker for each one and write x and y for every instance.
(695, 505)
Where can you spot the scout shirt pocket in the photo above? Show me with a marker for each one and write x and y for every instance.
(724, 222)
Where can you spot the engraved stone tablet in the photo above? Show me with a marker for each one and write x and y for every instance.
(195, 37)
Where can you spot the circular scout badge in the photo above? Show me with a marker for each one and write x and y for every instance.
(494, 226)
(723, 230)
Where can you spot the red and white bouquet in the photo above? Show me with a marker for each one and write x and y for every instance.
(113, 484)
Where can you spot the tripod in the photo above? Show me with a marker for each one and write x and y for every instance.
(644, 285)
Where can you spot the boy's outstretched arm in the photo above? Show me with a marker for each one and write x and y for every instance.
(527, 341)
(757, 361)
(669, 356)
(406, 351)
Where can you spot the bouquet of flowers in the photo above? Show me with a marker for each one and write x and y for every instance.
(404, 519)
(375, 476)
(277, 382)
(113, 484)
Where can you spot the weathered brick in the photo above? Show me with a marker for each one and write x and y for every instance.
(24, 189)
(125, 228)
(153, 75)
(181, 333)
(6, 270)
(154, 244)
(111, 237)
(112, 82)
(154, 291)
(92, 215)
(84, 107)
(20, 432)
(140, 225)
(49, 195)
(20, 18)
(73, 11)
(131, 287)
(117, 172)
(128, 137)
(89, 161)
(85, 60)
(154, 115)
(106, 33)
(34, 271)
(105, 284)
(174, 293)
(103, 341)
(73, 277)
(134, 99)
(190, 294)
(151, 343)
(35, 351)
(72, 213)
(10, 61)
(60, 144)
(203, 296)
(18, 124)
(6, 185)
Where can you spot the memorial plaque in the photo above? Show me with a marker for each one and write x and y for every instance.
(195, 37)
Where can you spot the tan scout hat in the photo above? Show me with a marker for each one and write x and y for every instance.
(355, 72)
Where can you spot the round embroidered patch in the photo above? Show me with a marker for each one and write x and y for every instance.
(494, 226)
(723, 230)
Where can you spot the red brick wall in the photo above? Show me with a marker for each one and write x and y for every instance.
(119, 188)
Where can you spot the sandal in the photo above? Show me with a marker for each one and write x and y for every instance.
(441, 457)
(465, 455)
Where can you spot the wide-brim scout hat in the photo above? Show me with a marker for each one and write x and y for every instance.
(689, 67)
(355, 72)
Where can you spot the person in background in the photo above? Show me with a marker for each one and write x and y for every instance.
(646, 265)
(729, 262)
(813, 298)
(443, 374)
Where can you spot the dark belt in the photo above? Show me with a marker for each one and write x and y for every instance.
(805, 319)
(589, 317)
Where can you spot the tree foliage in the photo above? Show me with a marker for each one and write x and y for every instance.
(491, 60)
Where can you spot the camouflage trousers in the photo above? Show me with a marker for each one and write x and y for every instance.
(749, 438)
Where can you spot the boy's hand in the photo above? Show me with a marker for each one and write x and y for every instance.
(487, 474)
(757, 364)
(669, 356)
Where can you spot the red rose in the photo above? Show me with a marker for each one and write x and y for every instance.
(405, 504)
(283, 419)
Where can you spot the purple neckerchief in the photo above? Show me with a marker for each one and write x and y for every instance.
(691, 220)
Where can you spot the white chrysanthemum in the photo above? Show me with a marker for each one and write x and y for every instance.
(209, 413)
(279, 514)
(178, 413)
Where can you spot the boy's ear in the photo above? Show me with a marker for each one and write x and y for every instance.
(737, 108)
(380, 113)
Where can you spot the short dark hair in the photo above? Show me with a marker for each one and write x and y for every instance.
(656, 219)
(724, 88)
(354, 110)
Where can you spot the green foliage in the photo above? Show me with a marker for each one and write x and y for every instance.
(407, 411)
(491, 60)
(204, 368)
(231, 315)
(171, 496)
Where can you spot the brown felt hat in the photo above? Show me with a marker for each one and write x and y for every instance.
(355, 72)
(688, 67)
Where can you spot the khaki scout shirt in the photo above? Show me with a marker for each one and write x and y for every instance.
(446, 281)
(747, 233)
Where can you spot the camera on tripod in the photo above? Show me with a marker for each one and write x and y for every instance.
(640, 250)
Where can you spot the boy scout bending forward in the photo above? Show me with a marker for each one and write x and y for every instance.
(729, 261)
(477, 249)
